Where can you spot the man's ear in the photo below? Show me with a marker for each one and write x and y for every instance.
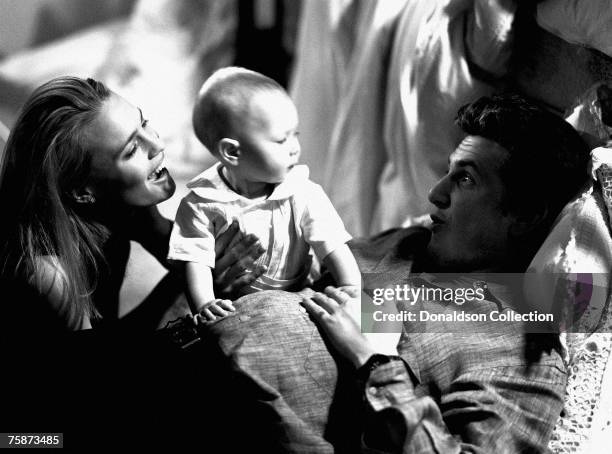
(229, 151)
(528, 220)
(83, 196)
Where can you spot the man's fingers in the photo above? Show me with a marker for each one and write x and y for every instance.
(325, 302)
(340, 295)
(313, 308)
(352, 290)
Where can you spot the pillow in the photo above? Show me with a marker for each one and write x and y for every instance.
(582, 22)
(570, 274)
(571, 271)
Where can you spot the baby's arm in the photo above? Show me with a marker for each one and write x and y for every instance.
(343, 267)
(201, 296)
(346, 273)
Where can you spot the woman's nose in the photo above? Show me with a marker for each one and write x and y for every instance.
(155, 144)
(439, 195)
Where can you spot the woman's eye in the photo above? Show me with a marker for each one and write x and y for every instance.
(147, 127)
(283, 140)
(132, 150)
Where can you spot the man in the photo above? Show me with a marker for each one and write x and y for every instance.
(448, 392)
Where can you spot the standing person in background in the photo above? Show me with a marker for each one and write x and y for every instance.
(392, 76)
(417, 62)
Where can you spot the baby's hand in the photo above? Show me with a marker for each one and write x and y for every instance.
(213, 310)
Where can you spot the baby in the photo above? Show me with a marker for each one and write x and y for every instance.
(249, 123)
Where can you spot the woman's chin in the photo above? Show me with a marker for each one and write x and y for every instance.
(164, 186)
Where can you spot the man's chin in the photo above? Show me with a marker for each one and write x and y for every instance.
(439, 260)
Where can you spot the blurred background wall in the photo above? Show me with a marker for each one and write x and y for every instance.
(155, 53)
(27, 23)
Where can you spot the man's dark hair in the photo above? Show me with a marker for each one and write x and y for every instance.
(547, 159)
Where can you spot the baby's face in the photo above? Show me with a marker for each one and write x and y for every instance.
(269, 145)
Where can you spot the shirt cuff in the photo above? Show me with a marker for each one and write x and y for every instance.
(388, 381)
(323, 248)
(203, 257)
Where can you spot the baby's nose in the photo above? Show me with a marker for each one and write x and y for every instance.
(296, 149)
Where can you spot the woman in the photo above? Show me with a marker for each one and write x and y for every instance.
(82, 174)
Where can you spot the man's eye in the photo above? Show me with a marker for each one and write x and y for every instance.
(465, 180)
(283, 140)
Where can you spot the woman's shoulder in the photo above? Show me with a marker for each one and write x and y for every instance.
(41, 295)
(49, 277)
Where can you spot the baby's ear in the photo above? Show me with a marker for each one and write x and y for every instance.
(229, 151)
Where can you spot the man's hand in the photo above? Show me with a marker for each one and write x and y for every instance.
(235, 267)
(213, 310)
(329, 312)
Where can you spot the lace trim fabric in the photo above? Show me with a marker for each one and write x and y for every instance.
(588, 356)
(585, 425)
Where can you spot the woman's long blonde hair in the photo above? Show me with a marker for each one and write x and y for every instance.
(45, 163)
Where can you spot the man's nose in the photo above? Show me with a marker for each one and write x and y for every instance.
(439, 195)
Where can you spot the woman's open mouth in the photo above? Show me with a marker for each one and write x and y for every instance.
(158, 173)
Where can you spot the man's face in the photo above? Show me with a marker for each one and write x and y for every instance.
(471, 231)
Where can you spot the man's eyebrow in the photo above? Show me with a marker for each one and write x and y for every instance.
(466, 163)
(131, 135)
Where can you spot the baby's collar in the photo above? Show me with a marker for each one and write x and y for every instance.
(211, 186)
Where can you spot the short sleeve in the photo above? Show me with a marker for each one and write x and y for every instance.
(193, 235)
(320, 223)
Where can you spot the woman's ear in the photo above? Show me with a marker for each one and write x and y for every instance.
(229, 151)
(83, 196)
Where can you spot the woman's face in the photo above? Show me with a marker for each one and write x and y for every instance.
(127, 157)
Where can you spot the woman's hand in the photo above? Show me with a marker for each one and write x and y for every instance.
(330, 313)
(235, 267)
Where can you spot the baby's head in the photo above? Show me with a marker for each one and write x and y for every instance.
(248, 122)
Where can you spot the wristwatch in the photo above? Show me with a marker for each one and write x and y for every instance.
(373, 362)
